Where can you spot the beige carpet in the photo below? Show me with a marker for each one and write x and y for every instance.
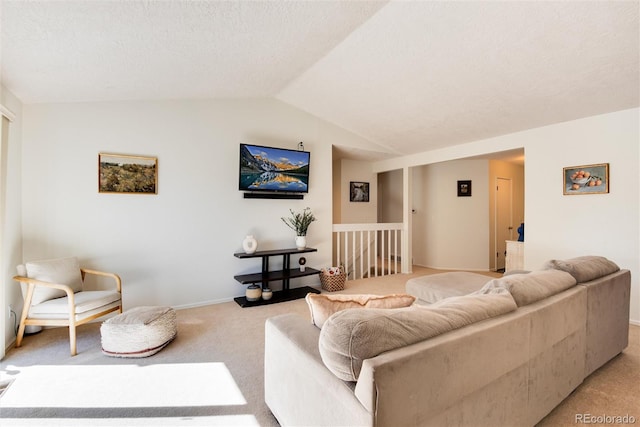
(212, 374)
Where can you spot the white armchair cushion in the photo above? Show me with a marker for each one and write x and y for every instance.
(64, 271)
(85, 302)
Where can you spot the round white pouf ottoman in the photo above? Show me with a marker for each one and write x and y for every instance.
(139, 332)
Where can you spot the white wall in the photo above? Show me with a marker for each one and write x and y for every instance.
(356, 212)
(391, 202)
(11, 251)
(176, 247)
(336, 194)
(451, 232)
(438, 222)
(559, 226)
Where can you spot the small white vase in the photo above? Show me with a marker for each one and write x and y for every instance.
(301, 242)
(249, 244)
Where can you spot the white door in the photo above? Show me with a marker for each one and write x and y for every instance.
(504, 223)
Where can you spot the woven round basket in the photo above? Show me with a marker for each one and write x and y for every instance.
(333, 283)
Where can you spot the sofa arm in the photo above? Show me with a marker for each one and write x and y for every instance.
(608, 300)
(440, 382)
(299, 389)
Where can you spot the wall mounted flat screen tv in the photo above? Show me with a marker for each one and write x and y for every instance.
(276, 170)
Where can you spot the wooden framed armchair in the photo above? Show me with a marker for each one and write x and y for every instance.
(54, 296)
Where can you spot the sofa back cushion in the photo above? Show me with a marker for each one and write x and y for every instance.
(531, 287)
(584, 268)
(63, 271)
(351, 336)
(322, 306)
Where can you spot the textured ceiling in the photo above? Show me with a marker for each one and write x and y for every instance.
(409, 76)
(419, 76)
(92, 50)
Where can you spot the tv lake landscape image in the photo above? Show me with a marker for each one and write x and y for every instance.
(273, 169)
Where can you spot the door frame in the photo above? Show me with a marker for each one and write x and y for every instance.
(6, 117)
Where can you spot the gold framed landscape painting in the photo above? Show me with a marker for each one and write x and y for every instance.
(119, 173)
(587, 179)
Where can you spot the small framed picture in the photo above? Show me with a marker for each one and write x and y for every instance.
(127, 174)
(464, 188)
(587, 179)
(358, 191)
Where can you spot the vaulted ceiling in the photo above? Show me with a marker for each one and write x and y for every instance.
(408, 76)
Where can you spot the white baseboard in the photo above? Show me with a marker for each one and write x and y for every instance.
(10, 345)
(203, 303)
(484, 270)
(634, 322)
(223, 300)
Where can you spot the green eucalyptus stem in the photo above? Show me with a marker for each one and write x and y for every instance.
(299, 222)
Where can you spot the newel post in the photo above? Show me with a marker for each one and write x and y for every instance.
(407, 203)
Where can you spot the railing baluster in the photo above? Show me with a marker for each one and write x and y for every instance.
(353, 254)
(375, 254)
(395, 240)
(361, 256)
(348, 256)
(368, 253)
(338, 248)
(382, 253)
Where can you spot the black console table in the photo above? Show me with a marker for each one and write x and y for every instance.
(286, 274)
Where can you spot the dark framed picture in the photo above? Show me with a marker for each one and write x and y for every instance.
(119, 173)
(359, 191)
(464, 188)
(587, 179)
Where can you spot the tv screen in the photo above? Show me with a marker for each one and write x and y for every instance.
(273, 169)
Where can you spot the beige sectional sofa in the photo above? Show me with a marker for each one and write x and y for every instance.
(504, 355)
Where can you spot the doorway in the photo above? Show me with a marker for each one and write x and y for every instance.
(503, 220)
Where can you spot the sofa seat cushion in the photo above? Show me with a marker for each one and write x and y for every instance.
(585, 268)
(86, 302)
(63, 271)
(351, 336)
(322, 306)
(531, 287)
(434, 287)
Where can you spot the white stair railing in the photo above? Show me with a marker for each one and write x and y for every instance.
(368, 250)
